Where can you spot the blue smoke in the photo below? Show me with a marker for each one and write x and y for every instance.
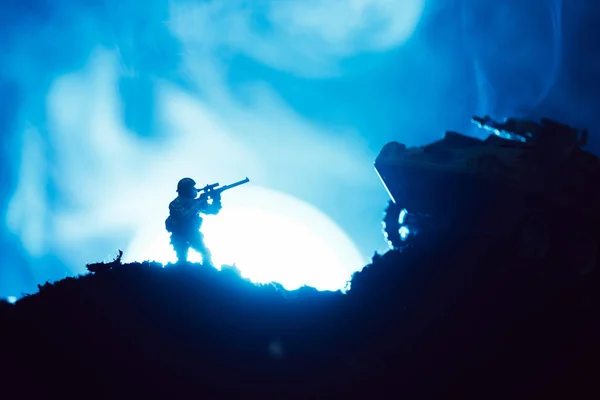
(107, 104)
(504, 59)
(114, 101)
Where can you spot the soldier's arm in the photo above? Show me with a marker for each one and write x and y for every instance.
(185, 210)
(214, 207)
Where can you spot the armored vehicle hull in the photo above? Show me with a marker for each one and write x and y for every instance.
(493, 187)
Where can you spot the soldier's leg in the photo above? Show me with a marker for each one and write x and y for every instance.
(181, 246)
(197, 243)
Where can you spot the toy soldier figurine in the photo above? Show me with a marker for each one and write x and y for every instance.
(184, 219)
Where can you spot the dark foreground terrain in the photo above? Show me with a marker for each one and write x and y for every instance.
(471, 319)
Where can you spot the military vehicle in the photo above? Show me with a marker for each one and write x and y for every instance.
(529, 179)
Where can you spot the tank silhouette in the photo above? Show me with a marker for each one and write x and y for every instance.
(529, 179)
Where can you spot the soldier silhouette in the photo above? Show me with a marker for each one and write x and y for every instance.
(184, 220)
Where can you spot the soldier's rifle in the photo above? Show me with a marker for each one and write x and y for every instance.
(212, 190)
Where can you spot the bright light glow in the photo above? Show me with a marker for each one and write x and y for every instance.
(402, 216)
(404, 232)
(87, 181)
(307, 37)
(11, 299)
(270, 237)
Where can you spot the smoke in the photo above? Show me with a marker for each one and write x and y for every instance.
(107, 104)
(516, 51)
(137, 96)
(307, 38)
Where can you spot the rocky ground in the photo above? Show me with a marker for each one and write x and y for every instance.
(471, 319)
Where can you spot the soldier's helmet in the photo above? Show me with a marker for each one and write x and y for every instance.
(186, 187)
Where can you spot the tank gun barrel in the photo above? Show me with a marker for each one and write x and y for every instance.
(526, 130)
(511, 128)
(489, 124)
(481, 121)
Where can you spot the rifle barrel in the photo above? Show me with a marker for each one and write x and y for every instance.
(211, 189)
(238, 183)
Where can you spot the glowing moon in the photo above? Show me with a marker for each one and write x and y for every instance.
(270, 237)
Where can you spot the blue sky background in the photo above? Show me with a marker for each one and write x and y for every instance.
(107, 104)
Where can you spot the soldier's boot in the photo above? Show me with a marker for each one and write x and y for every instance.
(180, 246)
(197, 243)
(207, 258)
(182, 254)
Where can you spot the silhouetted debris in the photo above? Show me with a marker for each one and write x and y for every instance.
(5, 305)
(376, 257)
(450, 323)
(102, 266)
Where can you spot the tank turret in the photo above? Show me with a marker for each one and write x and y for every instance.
(551, 137)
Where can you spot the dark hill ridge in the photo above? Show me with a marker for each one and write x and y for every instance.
(470, 319)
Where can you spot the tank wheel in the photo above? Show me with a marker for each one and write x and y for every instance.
(391, 225)
(489, 166)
